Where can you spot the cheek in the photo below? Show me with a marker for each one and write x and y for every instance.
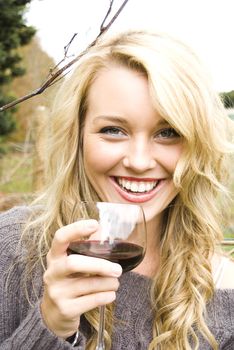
(99, 157)
(169, 156)
(93, 158)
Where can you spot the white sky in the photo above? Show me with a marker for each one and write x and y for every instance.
(207, 25)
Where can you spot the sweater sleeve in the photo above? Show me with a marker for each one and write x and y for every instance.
(32, 334)
(21, 324)
(222, 314)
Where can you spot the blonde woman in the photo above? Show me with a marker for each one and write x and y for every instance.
(137, 122)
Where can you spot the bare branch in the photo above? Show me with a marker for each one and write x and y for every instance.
(56, 75)
(107, 14)
(66, 48)
(104, 29)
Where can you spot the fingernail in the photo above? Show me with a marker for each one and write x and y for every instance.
(116, 270)
(110, 298)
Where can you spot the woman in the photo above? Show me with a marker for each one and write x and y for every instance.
(137, 122)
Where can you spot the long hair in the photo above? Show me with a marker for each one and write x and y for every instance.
(182, 94)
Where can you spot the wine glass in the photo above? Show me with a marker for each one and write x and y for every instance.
(121, 238)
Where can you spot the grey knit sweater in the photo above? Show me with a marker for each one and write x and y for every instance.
(22, 327)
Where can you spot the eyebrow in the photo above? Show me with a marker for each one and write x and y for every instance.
(121, 120)
(110, 118)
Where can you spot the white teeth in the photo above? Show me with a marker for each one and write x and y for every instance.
(148, 187)
(137, 186)
(134, 187)
(141, 187)
(127, 184)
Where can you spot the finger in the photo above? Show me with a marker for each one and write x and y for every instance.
(74, 264)
(90, 285)
(77, 287)
(91, 301)
(70, 233)
(74, 308)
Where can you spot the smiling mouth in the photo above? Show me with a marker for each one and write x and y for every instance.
(136, 187)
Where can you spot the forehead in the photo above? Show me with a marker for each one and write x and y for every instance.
(115, 74)
(121, 93)
(118, 85)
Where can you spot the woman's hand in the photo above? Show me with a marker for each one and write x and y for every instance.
(74, 284)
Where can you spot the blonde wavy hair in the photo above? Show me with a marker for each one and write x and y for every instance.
(182, 93)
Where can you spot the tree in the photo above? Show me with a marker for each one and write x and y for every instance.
(13, 34)
(37, 70)
(57, 73)
(228, 99)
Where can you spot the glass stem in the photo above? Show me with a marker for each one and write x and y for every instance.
(100, 340)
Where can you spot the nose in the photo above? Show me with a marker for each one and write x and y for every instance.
(139, 156)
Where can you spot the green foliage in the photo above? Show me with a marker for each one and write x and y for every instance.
(13, 34)
(7, 122)
(228, 99)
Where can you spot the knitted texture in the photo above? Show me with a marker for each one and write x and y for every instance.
(22, 326)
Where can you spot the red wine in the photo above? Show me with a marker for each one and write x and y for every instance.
(128, 255)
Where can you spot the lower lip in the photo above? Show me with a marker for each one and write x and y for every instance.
(139, 197)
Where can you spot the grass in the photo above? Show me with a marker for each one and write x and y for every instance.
(16, 172)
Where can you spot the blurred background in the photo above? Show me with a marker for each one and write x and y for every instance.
(33, 35)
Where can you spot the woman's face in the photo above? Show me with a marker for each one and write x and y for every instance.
(130, 152)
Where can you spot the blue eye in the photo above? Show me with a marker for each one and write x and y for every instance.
(111, 130)
(168, 133)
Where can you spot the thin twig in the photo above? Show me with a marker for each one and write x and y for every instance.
(55, 75)
(66, 48)
(107, 14)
